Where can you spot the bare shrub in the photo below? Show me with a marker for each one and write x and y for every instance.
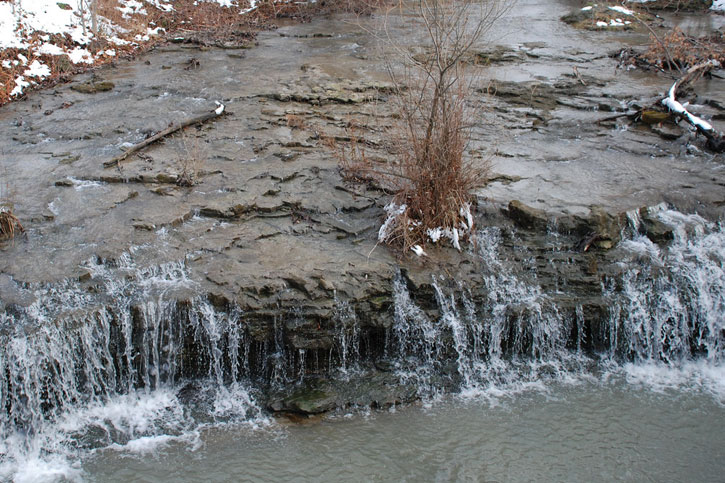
(678, 50)
(9, 223)
(190, 161)
(432, 179)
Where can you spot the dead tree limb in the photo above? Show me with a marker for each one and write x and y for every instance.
(162, 134)
(714, 139)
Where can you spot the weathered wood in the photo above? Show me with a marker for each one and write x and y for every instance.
(714, 139)
(162, 134)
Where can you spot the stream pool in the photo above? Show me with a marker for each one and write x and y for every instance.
(581, 430)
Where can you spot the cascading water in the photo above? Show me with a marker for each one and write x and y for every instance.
(667, 315)
(514, 336)
(666, 318)
(137, 359)
(84, 372)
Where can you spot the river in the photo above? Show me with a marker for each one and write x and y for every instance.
(249, 327)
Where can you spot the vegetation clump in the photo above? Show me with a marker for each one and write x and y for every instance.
(431, 178)
(9, 224)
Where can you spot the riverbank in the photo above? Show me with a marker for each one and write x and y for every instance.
(45, 42)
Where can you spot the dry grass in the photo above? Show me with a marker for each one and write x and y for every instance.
(190, 161)
(295, 121)
(432, 179)
(9, 225)
(683, 51)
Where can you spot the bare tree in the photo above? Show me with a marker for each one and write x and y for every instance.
(432, 179)
(88, 8)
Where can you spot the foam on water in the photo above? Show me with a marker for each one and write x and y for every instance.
(86, 372)
(666, 327)
(102, 371)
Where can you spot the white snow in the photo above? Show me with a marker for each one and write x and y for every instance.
(131, 7)
(50, 49)
(586, 9)
(219, 109)
(602, 24)
(8, 35)
(718, 6)
(166, 7)
(465, 212)
(394, 211)
(418, 250)
(79, 55)
(156, 31)
(118, 41)
(20, 84)
(623, 10)
(673, 105)
(252, 6)
(37, 69)
(435, 234)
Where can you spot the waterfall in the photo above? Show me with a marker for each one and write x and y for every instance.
(136, 355)
(670, 305)
(514, 335)
(84, 371)
(666, 308)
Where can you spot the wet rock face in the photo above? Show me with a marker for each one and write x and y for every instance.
(378, 390)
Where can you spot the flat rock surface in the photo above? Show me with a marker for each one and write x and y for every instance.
(269, 213)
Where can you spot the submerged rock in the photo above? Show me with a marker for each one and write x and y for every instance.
(91, 87)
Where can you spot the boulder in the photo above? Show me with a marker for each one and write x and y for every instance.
(527, 217)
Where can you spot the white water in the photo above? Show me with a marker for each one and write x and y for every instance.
(90, 376)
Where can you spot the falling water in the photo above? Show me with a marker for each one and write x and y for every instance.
(666, 318)
(513, 337)
(85, 372)
(135, 358)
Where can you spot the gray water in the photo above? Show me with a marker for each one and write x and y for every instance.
(581, 431)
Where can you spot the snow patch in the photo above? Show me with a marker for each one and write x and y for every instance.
(37, 69)
(393, 211)
(622, 10)
(166, 7)
(673, 105)
(252, 6)
(9, 37)
(718, 6)
(131, 7)
(418, 250)
(80, 55)
(50, 49)
(20, 84)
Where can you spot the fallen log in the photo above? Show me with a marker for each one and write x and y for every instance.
(714, 139)
(162, 134)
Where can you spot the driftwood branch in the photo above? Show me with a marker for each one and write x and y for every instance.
(714, 139)
(162, 134)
